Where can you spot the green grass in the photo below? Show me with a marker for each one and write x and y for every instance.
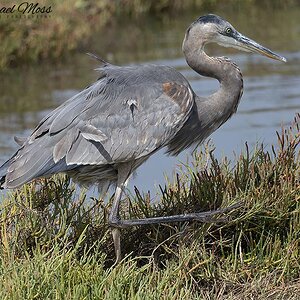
(55, 244)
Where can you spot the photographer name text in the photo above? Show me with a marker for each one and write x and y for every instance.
(26, 8)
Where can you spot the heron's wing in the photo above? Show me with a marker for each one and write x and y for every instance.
(135, 127)
(122, 117)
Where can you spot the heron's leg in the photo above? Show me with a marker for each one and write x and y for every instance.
(116, 234)
(114, 218)
(205, 217)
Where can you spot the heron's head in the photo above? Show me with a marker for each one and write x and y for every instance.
(214, 29)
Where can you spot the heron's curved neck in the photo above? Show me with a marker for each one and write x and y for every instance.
(226, 99)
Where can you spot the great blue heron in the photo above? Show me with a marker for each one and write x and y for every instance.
(101, 135)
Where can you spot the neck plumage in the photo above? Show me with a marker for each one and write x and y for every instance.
(226, 99)
(223, 103)
(208, 113)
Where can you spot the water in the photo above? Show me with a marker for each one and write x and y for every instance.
(271, 89)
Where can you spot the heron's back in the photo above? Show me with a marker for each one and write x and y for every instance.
(125, 116)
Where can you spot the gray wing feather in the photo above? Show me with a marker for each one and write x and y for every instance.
(84, 152)
(27, 167)
(63, 146)
(20, 140)
(90, 132)
(127, 114)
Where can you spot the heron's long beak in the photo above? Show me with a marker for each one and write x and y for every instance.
(249, 45)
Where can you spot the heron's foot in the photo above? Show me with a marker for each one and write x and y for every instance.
(205, 217)
(117, 222)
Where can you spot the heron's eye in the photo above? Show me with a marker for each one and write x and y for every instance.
(228, 30)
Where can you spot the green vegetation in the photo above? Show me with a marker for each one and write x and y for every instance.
(55, 244)
(29, 38)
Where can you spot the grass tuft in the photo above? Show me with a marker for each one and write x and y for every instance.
(55, 243)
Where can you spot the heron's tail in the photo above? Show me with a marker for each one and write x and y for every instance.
(31, 163)
(2, 180)
(3, 172)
